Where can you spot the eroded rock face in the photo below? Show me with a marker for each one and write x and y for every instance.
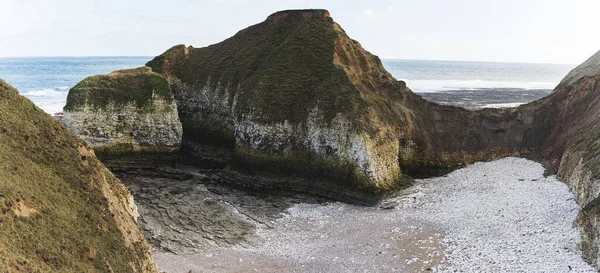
(281, 93)
(123, 112)
(575, 139)
(295, 96)
(61, 210)
(589, 68)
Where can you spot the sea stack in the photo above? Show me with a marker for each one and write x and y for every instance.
(299, 106)
(294, 96)
(61, 210)
(124, 113)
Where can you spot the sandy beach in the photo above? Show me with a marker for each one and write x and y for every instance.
(500, 216)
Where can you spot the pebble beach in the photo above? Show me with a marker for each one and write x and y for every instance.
(500, 216)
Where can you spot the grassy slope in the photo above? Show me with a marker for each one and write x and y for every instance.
(282, 68)
(295, 60)
(279, 70)
(48, 176)
(119, 87)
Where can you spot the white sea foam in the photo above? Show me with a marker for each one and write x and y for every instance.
(51, 106)
(502, 105)
(51, 100)
(446, 85)
(49, 92)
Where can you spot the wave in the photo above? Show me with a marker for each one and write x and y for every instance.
(49, 92)
(446, 85)
(51, 100)
(50, 106)
(503, 105)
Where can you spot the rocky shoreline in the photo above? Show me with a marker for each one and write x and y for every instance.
(481, 98)
(335, 125)
(290, 117)
(497, 216)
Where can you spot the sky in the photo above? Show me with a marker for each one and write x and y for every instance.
(538, 31)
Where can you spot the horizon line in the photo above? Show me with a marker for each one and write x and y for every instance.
(390, 59)
(479, 61)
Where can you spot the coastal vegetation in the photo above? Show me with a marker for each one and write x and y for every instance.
(61, 210)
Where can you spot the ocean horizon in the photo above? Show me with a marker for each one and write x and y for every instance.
(46, 80)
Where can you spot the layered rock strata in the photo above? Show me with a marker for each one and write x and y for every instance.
(61, 210)
(124, 113)
(572, 149)
(295, 96)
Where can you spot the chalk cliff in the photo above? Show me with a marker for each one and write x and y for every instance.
(296, 104)
(295, 96)
(573, 149)
(61, 210)
(125, 112)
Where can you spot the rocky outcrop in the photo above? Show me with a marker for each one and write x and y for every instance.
(123, 113)
(589, 68)
(61, 210)
(295, 96)
(572, 149)
(291, 105)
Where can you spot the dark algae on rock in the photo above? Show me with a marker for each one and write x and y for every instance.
(61, 210)
(279, 93)
(294, 95)
(293, 103)
(128, 116)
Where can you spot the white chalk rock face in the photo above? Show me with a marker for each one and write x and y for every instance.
(127, 125)
(333, 141)
(295, 97)
(133, 108)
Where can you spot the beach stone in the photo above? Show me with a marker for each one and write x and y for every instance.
(440, 233)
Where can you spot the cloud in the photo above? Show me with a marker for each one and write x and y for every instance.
(368, 14)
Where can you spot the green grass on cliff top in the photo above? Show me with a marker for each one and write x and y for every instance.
(120, 87)
(278, 69)
(71, 229)
(281, 69)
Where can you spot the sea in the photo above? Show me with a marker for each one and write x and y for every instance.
(47, 80)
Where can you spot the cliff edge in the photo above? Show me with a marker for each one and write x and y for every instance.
(589, 68)
(123, 114)
(61, 210)
(295, 96)
(303, 107)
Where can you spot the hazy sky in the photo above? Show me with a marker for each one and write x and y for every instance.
(548, 31)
